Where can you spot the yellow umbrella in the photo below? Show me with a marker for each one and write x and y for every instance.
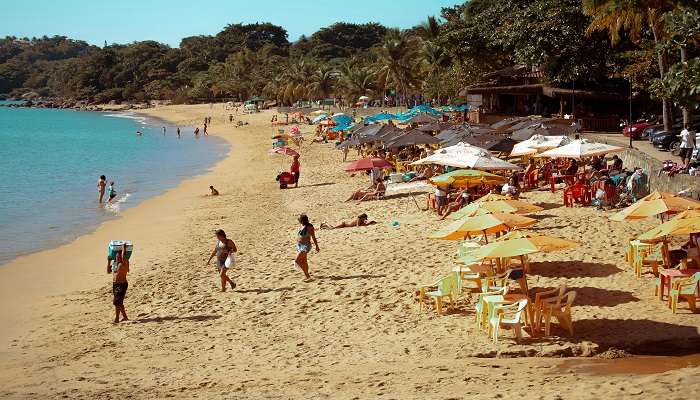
(490, 197)
(676, 226)
(520, 243)
(485, 223)
(654, 204)
(497, 206)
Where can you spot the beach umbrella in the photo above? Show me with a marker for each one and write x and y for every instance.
(540, 129)
(519, 243)
(421, 119)
(509, 206)
(435, 126)
(380, 117)
(318, 112)
(319, 118)
(491, 142)
(656, 203)
(685, 223)
(342, 119)
(486, 224)
(327, 122)
(284, 151)
(348, 143)
(508, 122)
(490, 197)
(537, 144)
(363, 98)
(450, 133)
(367, 164)
(467, 178)
(464, 155)
(412, 138)
(581, 148)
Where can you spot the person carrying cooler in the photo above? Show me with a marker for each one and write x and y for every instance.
(119, 268)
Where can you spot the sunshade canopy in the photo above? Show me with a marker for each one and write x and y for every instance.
(518, 243)
(367, 164)
(581, 148)
(685, 223)
(540, 129)
(539, 143)
(486, 224)
(284, 151)
(508, 206)
(463, 155)
(413, 137)
(467, 178)
(654, 204)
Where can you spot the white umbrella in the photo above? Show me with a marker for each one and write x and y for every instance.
(581, 148)
(538, 143)
(463, 155)
(363, 98)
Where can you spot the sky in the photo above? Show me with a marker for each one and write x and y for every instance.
(168, 21)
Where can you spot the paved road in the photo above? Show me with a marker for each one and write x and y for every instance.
(641, 145)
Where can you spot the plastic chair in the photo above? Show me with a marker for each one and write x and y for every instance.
(479, 306)
(685, 289)
(540, 298)
(562, 312)
(509, 315)
(447, 287)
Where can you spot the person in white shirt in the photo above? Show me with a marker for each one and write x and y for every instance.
(687, 144)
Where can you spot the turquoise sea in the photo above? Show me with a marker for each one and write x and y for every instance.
(50, 161)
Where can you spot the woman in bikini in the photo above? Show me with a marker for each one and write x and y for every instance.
(225, 252)
(305, 234)
(361, 220)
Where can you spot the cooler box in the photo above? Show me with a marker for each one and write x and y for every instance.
(116, 245)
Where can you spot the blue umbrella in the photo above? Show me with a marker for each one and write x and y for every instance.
(342, 119)
(319, 118)
(380, 117)
(342, 127)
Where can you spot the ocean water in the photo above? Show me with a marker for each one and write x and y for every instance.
(50, 161)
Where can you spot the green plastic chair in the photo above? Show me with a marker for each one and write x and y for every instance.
(685, 289)
(447, 287)
(479, 305)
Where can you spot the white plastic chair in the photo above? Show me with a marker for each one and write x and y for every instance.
(508, 315)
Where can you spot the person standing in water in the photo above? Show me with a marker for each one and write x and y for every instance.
(178, 132)
(305, 235)
(111, 192)
(119, 268)
(163, 131)
(101, 185)
(205, 129)
(225, 252)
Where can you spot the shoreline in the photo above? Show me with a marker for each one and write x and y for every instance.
(141, 194)
(138, 221)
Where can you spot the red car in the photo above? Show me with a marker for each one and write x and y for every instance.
(635, 130)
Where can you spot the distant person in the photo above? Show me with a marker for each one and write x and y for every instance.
(111, 192)
(205, 129)
(687, 144)
(163, 131)
(616, 167)
(225, 252)
(214, 192)
(305, 235)
(139, 133)
(178, 132)
(196, 131)
(101, 185)
(119, 268)
(295, 169)
(230, 118)
(360, 220)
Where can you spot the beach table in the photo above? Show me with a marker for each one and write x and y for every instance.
(667, 275)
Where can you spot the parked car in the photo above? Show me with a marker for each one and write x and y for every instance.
(635, 130)
(650, 131)
(671, 141)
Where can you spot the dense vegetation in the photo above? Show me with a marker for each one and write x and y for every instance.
(654, 43)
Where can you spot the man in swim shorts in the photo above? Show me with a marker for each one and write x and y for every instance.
(119, 268)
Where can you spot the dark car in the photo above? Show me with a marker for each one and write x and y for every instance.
(648, 133)
(670, 140)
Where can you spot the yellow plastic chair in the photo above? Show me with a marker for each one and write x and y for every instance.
(481, 313)
(559, 308)
(540, 298)
(685, 289)
(447, 287)
(508, 315)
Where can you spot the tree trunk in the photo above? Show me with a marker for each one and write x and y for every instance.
(663, 63)
(684, 60)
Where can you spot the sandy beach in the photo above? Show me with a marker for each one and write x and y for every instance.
(355, 331)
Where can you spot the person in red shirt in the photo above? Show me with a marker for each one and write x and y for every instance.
(294, 169)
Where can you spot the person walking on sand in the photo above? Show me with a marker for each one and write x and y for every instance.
(225, 252)
(101, 185)
(687, 145)
(119, 268)
(178, 132)
(295, 169)
(305, 234)
(111, 192)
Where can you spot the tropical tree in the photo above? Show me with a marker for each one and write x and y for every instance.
(398, 63)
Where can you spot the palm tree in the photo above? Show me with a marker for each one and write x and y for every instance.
(632, 16)
(398, 62)
(323, 81)
(435, 60)
(429, 30)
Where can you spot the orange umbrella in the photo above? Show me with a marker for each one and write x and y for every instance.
(654, 204)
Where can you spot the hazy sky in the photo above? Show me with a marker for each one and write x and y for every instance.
(168, 21)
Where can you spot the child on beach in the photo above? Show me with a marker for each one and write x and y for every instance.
(213, 191)
(225, 252)
(111, 192)
(119, 268)
(305, 234)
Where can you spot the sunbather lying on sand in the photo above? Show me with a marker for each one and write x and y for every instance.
(375, 191)
(361, 220)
